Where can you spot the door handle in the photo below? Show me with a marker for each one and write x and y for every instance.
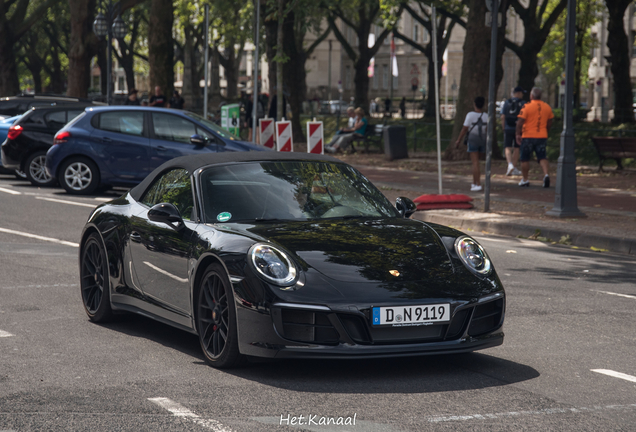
(135, 237)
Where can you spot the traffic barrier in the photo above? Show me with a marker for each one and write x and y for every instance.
(315, 137)
(266, 131)
(284, 136)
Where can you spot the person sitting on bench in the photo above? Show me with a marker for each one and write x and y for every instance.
(341, 142)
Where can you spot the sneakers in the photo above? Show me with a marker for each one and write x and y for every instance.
(516, 172)
(475, 188)
(546, 181)
(524, 183)
(511, 169)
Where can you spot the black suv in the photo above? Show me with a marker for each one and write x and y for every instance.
(16, 105)
(30, 137)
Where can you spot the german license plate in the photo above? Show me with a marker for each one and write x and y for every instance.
(411, 315)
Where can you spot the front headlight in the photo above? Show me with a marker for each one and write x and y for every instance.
(273, 264)
(473, 255)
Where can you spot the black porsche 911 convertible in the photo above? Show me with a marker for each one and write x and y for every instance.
(287, 255)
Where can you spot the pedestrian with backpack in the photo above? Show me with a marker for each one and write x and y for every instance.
(474, 130)
(509, 112)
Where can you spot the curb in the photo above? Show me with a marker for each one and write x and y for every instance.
(490, 224)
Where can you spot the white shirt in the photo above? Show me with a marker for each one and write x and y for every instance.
(471, 119)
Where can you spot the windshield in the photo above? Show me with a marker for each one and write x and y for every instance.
(270, 191)
(211, 125)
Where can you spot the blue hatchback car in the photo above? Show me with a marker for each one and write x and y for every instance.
(120, 145)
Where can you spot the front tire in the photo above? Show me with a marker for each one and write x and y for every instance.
(94, 280)
(35, 172)
(216, 319)
(79, 176)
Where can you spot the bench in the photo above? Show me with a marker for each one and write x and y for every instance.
(373, 135)
(614, 148)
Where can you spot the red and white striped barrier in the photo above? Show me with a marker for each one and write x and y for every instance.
(284, 136)
(315, 137)
(266, 131)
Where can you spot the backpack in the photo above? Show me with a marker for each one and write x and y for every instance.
(478, 139)
(514, 108)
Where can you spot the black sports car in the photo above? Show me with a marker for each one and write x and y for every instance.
(287, 255)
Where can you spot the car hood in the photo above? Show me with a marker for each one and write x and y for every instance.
(363, 250)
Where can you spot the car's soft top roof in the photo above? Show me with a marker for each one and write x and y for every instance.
(194, 162)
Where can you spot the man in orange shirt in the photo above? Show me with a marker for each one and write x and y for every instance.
(533, 123)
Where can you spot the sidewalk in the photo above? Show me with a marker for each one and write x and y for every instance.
(608, 200)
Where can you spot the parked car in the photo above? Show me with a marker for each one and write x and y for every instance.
(120, 146)
(31, 136)
(5, 124)
(15, 105)
(332, 107)
(287, 255)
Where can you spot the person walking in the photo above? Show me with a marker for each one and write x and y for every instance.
(509, 112)
(534, 121)
(475, 129)
(132, 98)
(158, 99)
(177, 102)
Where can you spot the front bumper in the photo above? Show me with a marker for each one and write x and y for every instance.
(312, 331)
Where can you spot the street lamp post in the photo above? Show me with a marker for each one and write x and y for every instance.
(109, 25)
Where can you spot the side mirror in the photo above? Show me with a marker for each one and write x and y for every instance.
(405, 207)
(166, 213)
(197, 139)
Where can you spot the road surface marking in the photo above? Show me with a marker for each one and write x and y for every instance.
(546, 411)
(5, 334)
(103, 199)
(617, 294)
(181, 411)
(64, 201)
(38, 286)
(49, 239)
(615, 374)
(162, 271)
(9, 191)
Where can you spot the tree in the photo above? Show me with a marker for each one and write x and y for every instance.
(620, 51)
(16, 18)
(160, 45)
(538, 17)
(126, 53)
(444, 31)
(476, 69)
(360, 15)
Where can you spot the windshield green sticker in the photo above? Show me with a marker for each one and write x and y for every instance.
(224, 217)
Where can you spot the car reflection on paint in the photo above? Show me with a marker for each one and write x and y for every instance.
(286, 255)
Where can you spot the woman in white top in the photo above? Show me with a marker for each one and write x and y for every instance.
(475, 126)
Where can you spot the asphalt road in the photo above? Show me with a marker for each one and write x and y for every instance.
(567, 363)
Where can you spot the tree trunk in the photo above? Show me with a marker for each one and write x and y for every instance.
(102, 62)
(430, 110)
(475, 73)
(187, 90)
(294, 74)
(528, 70)
(56, 74)
(160, 46)
(271, 28)
(214, 93)
(620, 50)
(361, 76)
(82, 47)
(280, 108)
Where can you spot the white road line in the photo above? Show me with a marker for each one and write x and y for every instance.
(65, 202)
(49, 239)
(577, 410)
(617, 294)
(181, 411)
(162, 271)
(5, 334)
(9, 191)
(39, 286)
(615, 374)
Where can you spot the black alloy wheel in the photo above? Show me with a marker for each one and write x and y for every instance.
(94, 283)
(35, 171)
(79, 176)
(216, 319)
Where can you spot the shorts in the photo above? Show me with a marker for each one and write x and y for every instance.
(472, 147)
(529, 145)
(510, 139)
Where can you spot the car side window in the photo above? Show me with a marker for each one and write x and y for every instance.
(205, 134)
(72, 114)
(172, 128)
(172, 187)
(126, 122)
(56, 119)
